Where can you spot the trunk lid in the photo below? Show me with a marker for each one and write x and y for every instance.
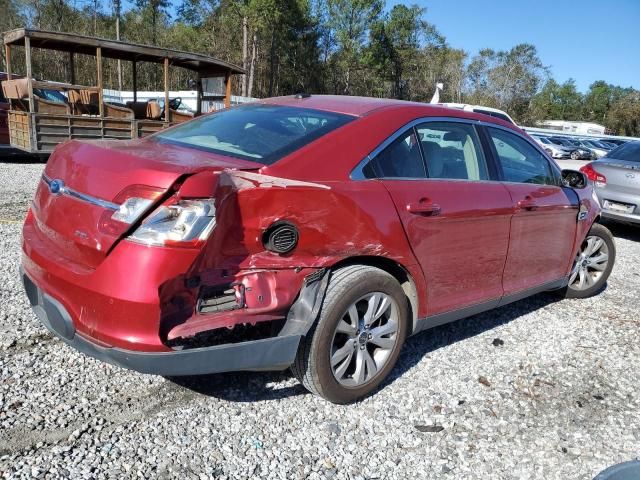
(84, 182)
(622, 176)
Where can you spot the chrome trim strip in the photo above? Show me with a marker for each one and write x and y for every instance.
(81, 196)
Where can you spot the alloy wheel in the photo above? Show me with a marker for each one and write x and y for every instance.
(364, 339)
(590, 263)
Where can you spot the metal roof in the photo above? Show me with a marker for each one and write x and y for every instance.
(68, 42)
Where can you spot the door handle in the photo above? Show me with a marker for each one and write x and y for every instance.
(527, 204)
(424, 207)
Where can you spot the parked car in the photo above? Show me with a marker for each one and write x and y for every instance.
(615, 141)
(555, 151)
(4, 126)
(597, 150)
(606, 145)
(616, 178)
(316, 232)
(578, 152)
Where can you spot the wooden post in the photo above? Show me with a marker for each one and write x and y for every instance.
(72, 68)
(7, 51)
(135, 81)
(199, 95)
(32, 108)
(167, 110)
(27, 59)
(227, 94)
(99, 78)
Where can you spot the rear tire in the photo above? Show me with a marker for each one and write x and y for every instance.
(342, 358)
(593, 264)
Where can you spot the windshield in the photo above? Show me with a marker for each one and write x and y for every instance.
(262, 133)
(629, 152)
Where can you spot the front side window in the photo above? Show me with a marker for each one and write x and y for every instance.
(262, 133)
(452, 150)
(400, 159)
(520, 161)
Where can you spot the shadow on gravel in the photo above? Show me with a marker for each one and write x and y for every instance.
(22, 158)
(431, 340)
(624, 230)
(256, 386)
(241, 386)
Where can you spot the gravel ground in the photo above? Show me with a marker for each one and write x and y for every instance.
(538, 389)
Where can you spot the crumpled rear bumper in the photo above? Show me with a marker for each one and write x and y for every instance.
(275, 353)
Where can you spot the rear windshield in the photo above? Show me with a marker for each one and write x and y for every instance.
(499, 115)
(629, 151)
(262, 133)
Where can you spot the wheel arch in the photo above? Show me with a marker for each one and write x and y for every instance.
(395, 269)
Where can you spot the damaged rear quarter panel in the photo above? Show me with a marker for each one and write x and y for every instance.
(335, 220)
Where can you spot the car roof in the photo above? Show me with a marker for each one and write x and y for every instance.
(363, 106)
(349, 105)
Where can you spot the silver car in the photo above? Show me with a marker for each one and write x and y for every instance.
(616, 178)
(555, 151)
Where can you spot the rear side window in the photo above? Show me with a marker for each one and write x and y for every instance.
(499, 115)
(452, 150)
(520, 161)
(262, 133)
(629, 152)
(400, 159)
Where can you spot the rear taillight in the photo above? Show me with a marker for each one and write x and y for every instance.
(183, 223)
(596, 177)
(134, 201)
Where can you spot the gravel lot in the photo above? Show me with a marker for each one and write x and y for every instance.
(558, 399)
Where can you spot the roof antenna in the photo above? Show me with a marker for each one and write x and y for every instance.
(436, 95)
(301, 95)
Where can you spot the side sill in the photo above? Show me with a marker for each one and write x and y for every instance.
(451, 316)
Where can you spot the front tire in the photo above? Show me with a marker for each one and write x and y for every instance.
(356, 341)
(593, 263)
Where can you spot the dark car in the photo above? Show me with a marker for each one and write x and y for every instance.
(615, 141)
(311, 232)
(578, 152)
(4, 126)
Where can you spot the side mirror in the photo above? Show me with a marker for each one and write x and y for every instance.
(574, 179)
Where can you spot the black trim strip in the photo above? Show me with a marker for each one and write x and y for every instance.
(451, 316)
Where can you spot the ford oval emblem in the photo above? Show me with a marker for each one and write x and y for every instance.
(630, 175)
(56, 186)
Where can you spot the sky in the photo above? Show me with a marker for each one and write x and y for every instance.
(586, 40)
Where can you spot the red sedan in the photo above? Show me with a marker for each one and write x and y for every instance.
(311, 232)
